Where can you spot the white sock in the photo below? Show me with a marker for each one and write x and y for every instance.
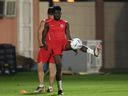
(50, 87)
(41, 85)
(91, 51)
(59, 83)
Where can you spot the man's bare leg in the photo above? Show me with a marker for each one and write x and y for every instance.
(58, 61)
(86, 49)
(94, 52)
(52, 72)
(40, 71)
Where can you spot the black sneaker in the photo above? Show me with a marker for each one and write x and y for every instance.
(39, 89)
(60, 92)
(50, 90)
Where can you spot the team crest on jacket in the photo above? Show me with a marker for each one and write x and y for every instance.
(62, 25)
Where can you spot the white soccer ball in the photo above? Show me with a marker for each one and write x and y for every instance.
(76, 43)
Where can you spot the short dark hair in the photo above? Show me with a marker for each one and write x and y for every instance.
(50, 11)
(57, 8)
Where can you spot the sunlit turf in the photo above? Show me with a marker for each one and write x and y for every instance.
(73, 85)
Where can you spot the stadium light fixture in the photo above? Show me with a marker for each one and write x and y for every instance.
(71, 1)
(56, 0)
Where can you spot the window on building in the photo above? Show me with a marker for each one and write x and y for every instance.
(2, 7)
(10, 8)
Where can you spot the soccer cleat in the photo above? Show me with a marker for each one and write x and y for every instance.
(49, 90)
(39, 89)
(97, 50)
(60, 93)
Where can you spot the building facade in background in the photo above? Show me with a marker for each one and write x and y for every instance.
(19, 21)
(88, 19)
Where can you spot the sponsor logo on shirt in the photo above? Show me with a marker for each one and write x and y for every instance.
(62, 25)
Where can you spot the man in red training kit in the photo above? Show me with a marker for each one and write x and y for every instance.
(59, 40)
(45, 57)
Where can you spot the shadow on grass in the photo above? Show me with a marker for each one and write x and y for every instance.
(46, 94)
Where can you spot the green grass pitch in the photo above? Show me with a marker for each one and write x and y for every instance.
(73, 85)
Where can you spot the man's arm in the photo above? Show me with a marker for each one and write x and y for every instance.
(40, 30)
(67, 31)
(46, 28)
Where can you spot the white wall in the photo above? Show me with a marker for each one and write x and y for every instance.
(43, 7)
(81, 17)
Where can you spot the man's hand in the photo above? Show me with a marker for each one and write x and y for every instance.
(41, 45)
(45, 46)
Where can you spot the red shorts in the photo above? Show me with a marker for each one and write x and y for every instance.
(58, 46)
(45, 56)
(55, 47)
